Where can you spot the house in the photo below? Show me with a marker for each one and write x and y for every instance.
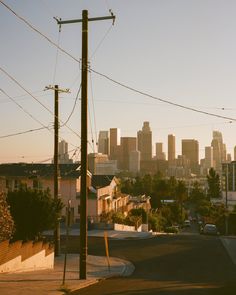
(103, 190)
(41, 177)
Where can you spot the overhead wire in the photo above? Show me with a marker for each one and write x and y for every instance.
(158, 98)
(73, 109)
(93, 108)
(37, 31)
(57, 53)
(22, 132)
(24, 110)
(45, 107)
(100, 43)
(113, 80)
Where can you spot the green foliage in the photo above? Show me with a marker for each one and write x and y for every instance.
(6, 221)
(197, 194)
(118, 217)
(213, 180)
(33, 212)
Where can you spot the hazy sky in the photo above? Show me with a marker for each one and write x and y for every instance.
(183, 51)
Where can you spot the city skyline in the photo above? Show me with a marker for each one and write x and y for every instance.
(174, 57)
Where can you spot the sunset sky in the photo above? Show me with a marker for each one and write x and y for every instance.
(181, 51)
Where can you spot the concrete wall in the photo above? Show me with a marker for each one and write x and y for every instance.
(20, 257)
(123, 227)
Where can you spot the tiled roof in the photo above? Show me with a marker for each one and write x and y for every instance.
(41, 170)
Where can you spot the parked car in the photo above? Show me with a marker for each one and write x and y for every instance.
(210, 229)
(187, 223)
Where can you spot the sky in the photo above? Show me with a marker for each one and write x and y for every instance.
(181, 51)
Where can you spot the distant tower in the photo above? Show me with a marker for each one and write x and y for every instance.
(160, 155)
(63, 155)
(208, 157)
(171, 148)
(103, 142)
(114, 142)
(128, 145)
(134, 161)
(219, 150)
(190, 149)
(235, 153)
(144, 137)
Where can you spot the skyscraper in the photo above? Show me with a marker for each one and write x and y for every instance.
(114, 142)
(128, 145)
(208, 157)
(219, 150)
(171, 149)
(144, 137)
(63, 155)
(160, 155)
(190, 149)
(103, 142)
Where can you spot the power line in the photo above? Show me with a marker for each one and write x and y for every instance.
(111, 79)
(72, 111)
(100, 43)
(94, 117)
(37, 31)
(158, 98)
(22, 87)
(22, 132)
(24, 110)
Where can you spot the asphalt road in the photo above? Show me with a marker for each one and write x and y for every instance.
(179, 264)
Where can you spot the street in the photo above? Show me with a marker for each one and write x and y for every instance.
(171, 264)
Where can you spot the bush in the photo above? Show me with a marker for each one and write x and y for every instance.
(171, 229)
(6, 221)
(33, 212)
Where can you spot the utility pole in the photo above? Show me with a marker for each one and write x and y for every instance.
(84, 140)
(56, 164)
(226, 199)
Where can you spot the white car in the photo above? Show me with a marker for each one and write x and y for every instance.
(187, 223)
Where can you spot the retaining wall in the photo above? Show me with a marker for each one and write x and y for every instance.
(28, 256)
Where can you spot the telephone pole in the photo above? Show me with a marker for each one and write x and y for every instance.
(56, 164)
(84, 140)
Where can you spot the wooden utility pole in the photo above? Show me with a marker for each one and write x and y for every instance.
(84, 140)
(56, 162)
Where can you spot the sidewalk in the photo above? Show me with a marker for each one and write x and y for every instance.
(229, 243)
(49, 282)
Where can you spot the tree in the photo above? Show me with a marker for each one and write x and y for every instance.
(213, 180)
(33, 212)
(181, 194)
(6, 221)
(197, 194)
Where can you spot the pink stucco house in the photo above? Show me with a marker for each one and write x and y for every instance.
(103, 190)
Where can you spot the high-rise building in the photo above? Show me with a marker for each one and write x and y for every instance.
(128, 144)
(94, 159)
(114, 143)
(134, 161)
(144, 137)
(103, 142)
(171, 149)
(63, 155)
(208, 157)
(219, 150)
(160, 155)
(190, 149)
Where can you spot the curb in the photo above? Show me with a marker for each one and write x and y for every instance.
(128, 269)
(230, 252)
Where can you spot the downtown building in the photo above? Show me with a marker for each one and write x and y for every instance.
(190, 149)
(144, 142)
